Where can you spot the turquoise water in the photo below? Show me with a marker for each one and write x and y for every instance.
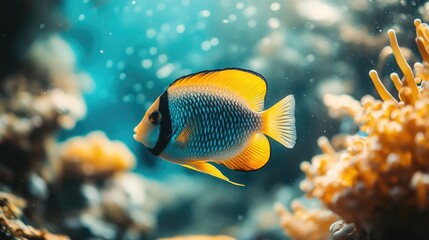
(134, 49)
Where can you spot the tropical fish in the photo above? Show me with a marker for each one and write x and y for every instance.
(217, 117)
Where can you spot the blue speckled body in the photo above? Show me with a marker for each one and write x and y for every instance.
(221, 123)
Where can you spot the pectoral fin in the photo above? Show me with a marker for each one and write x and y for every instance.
(183, 137)
(209, 169)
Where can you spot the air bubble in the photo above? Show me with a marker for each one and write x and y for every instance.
(129, 50)
(239, 5)
(214, 41)
(273, 23)
(122, 76)
(146, 63)
(232, 17)
(153, 51)
(151, 33)
(150, 84)
(205, 45)
(162, 58)
(109, 63)
(250, 11)
(275, 6)
(165, 71)
(180, 28)
(205, 13)
(137, 87)
(127, 98)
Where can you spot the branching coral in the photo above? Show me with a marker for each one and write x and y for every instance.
(12, 228)
(305, 224)
(95, 156)
(380, 181)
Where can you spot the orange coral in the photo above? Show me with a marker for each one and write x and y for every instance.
(305, 224)
(380, 181)
(13, 228)
(94, 156)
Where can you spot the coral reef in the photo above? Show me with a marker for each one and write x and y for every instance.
(15, 229)
(40, 93)
(77, 187)
(379, 181)
(121, 206)
(132, 202)
(305, 224)
(95, 156)
(35, 103)
(82, 187)
(96, 197)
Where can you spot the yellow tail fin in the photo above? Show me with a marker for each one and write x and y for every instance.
(278, 122)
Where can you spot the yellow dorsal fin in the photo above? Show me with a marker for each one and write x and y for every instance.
(209, 169)
(249, 85)
(254, 157)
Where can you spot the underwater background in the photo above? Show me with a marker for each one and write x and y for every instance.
(78, 76)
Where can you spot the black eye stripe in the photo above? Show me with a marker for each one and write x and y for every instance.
(165, 127)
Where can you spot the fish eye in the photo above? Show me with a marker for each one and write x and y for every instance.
(155, 117)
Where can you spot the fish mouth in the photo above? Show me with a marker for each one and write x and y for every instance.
(136, 130)
(137, 135)
(137, 138)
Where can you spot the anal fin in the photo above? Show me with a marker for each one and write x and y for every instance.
(207, 168)
(254, 156)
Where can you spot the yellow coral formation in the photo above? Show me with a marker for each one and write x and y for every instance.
(305, 224)
(199, 237)
(13, 228)
(95, 156)
(380, 180)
